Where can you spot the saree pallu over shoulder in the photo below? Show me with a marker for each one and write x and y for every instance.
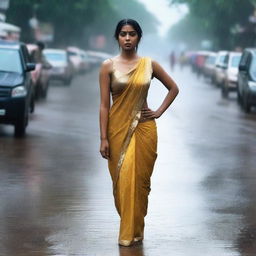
(133, 147)
(125, 114)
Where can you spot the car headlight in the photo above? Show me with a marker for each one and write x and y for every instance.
(252, 84)
(19, 91)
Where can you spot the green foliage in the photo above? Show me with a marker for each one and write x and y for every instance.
(215, 19)
(76, 21)
(135, 10)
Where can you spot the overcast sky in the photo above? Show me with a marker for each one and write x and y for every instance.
(165, 13)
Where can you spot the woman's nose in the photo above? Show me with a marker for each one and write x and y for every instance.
(127, 37)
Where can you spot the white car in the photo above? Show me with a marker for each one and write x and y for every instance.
(78, 60)
(96, 57)
(219, 72)
(61, 67)
(209, 65)
(231, 64)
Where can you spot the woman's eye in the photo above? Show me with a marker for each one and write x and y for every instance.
(133, 34)
(122, 34)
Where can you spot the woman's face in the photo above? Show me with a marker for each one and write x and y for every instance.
(128, 38)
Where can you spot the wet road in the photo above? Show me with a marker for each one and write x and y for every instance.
(56, 194)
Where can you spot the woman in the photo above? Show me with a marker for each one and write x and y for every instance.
(128, 128)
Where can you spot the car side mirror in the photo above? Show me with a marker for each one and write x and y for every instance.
(30, 67)
(242, 67)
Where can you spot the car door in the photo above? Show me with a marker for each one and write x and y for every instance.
(225, 68)
(27, 76)
(243, 74)
(246, 74)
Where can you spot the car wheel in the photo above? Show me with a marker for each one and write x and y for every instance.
(217, 83)
(246, 105)
(224, 90)
(32, 104)
(68, 81)
(38, 92)
(45, 91)
(20, 126)
(239, 98)
(212, 79)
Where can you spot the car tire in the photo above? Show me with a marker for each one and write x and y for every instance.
(246, 105)
(20, 126)
(37, 92)
(212, 79)
(224, 91)
(217, 83)
(45, 91)
(68, 81)
(32, 104)
(239, 97)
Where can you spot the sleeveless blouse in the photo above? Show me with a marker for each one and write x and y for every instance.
(120, 79)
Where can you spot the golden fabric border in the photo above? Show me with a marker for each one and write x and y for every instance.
(129, 103)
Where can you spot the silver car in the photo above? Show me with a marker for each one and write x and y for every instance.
(61, 66)
(219, 72)
(231, 64)
(209, 65)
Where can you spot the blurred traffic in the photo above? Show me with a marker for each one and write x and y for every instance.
(61, 52)
(231, 71)
(28, 69)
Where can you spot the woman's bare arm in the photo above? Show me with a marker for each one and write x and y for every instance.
(167, 81)
(104, 80)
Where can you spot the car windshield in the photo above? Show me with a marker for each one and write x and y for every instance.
(253, 69)
(10, 61)
(235, 61)
(56, 57)
(211, 59)
(221, 58)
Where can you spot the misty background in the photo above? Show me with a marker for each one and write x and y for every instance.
(178, 24)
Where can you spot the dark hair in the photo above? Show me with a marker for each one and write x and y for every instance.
(40, 44)
(130, 22)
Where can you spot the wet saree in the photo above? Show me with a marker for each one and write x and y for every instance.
(133, 146)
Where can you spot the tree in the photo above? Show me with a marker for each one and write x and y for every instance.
(217, 18)
(75, 22)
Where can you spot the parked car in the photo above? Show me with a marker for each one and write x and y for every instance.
(16, 89)
(231, 64)
(209, 65)
(78, 60)
(199, 62)
(41, 75)
(86, 59)
(219, 72)
(246, 91)
(96, 57)
(62, 68)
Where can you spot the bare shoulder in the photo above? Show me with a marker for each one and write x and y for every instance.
(157, 69)
(106, 65)
(155, 64)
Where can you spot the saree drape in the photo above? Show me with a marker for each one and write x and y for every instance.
(133, 147)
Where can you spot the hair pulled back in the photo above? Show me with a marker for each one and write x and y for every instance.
(130, 22)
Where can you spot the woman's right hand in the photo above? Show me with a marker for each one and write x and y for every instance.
(104, 149)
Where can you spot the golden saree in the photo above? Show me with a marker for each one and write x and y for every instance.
(133, 146)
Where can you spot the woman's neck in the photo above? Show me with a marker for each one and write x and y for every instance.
(128, 55)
